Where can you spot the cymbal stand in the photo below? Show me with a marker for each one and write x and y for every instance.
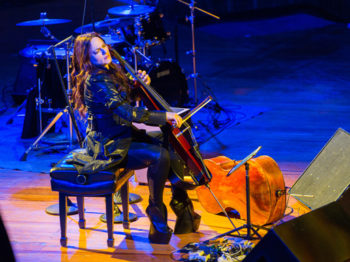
(68, 108)
(39, 101)
(194, 75)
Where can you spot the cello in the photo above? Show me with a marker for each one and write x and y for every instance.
(267, 189)
(185, 155)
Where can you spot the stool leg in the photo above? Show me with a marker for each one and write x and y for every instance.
(124, 191)
(80, 201)
(110, 219)
(63, 218)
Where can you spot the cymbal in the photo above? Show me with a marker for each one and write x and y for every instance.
(113, 39)
(105, 24)
(128, 1)
(131, 10)
(84, 29)
(120, 22)
(43, 22)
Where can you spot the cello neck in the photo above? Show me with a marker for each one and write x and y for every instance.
(148, 90)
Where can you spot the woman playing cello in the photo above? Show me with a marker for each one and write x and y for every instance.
(103, 92)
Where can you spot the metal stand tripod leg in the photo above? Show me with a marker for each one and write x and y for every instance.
(57, 117)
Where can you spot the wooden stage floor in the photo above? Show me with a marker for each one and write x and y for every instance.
(35, 235)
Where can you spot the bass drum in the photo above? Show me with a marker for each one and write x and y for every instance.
(168, 79)
(153, 28)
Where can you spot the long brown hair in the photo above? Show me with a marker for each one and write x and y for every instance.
(82, 68)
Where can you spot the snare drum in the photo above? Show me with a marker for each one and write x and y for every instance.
(170, 82)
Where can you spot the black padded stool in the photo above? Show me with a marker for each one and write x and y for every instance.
(66, 180)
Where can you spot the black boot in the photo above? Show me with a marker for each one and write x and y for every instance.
(159, 232)
(187, 220)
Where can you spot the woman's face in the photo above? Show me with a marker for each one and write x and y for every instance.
(99, 52)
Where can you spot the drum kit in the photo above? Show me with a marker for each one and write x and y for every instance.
(130, 29)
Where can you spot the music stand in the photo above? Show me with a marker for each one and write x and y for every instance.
(247, 226)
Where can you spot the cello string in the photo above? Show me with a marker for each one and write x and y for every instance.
(223, 209)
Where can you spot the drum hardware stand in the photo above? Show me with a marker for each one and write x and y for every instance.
(139, 43)
(47, 33)
(44, 30)
(194, 75)
(145, 58)
(69, 94)
(68, 108)
(38, 101)
(249, 227)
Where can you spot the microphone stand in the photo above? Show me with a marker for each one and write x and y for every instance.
(194, 75)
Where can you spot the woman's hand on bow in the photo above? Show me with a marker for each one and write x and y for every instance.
(174, 118)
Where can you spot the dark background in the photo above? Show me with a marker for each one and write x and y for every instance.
(15, 37)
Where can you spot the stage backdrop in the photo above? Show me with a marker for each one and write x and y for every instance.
(15, 38)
